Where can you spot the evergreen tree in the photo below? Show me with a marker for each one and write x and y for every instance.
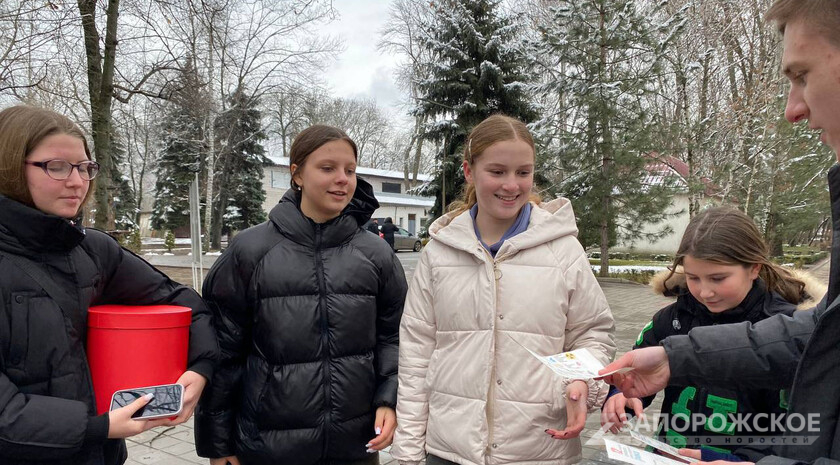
(183, 148)
(239, 203)
(124, 204)
(611, 54)
(794, 204)
(478, 69)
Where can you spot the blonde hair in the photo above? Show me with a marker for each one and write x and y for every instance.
(495, 128)
(728, 236)
(22, 128)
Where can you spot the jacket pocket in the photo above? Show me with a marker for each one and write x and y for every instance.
(19, 339)
(39, 341)
(256, 380)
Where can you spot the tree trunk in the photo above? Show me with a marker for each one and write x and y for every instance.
(606, 162)
(210, 135)
(100, 71)
(412, 163)
(418, 150)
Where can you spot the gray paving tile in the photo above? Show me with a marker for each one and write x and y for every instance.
(632, 306)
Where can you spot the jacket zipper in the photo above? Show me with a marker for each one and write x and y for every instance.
(325, 345)
(495, 276)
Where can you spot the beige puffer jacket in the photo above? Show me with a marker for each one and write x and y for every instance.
(468, 392)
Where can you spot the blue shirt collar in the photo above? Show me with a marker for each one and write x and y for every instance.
(518, 226)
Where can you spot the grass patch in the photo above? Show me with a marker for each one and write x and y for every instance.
(799, 249)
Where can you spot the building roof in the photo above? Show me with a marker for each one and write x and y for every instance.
(673, 170)
(387, 198)
(362, 170)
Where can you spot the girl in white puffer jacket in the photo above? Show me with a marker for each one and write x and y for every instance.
(499, 271)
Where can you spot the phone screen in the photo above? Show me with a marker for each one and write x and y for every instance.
(166, 403)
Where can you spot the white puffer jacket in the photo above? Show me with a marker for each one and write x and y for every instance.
(468, 392)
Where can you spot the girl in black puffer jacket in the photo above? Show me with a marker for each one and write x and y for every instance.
(721, 275)
(51, 270)
(308, 307)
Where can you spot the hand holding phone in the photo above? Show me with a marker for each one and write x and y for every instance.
(121, 425)
(166, 401)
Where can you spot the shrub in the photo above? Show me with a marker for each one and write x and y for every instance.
(133, 242)
(169, 240)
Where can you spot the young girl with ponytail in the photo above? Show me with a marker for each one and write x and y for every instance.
(721, 274)
(500, 271)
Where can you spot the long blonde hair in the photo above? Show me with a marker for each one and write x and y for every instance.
(728, 236)
(495, 128)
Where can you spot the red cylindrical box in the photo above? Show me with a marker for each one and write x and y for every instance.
(131, 346)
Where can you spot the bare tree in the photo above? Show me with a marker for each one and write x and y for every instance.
(253, 46)
(137, 125)
(27, 33)
(401, 36)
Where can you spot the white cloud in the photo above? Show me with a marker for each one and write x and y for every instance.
(361, 71)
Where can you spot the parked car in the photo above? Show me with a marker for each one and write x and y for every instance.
(404, 240)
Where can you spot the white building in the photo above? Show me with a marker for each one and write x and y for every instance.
(408, 211)
(674, 172)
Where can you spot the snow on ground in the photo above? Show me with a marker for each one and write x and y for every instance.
(630, 268)
(160, 240)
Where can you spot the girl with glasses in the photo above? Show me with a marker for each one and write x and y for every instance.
(47, 408)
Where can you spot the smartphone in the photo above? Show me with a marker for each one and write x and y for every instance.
(168, 401)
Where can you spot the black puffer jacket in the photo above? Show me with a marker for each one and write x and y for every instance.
(47, 408)
(308, 322)
(719, 406)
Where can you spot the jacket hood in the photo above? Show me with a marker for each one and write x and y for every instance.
(363, 204)
(834, 192)
(549, 221)
(676, 285)
(26, 230)
(292, 223)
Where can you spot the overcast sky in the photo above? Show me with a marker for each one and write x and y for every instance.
(360, 70)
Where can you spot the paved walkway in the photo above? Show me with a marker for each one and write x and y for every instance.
(632, 306)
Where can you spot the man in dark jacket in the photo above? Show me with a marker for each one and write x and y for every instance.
(373, 226)
(388, 230)
(802, 351)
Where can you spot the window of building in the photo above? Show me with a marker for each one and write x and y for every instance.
(281, 178)
(392, 187)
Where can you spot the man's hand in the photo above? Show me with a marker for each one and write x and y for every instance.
(650, 375)
(576, 393)
(614, 412)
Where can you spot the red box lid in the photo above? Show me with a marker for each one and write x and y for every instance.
(139, 317)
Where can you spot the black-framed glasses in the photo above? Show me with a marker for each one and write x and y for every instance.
(61, 169)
